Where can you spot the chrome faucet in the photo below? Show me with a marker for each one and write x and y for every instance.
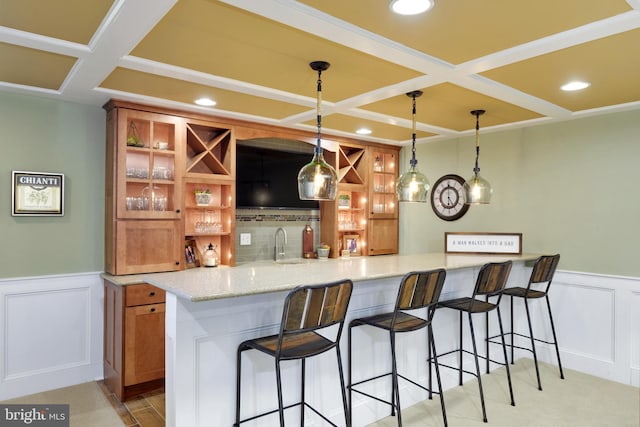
(279, 251)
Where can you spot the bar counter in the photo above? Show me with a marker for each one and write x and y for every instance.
(203, 284)
(209, 311)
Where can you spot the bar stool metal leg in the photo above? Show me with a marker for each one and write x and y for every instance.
(395, 394)
(475, 357)
(533, 343)
(432, 347)
(302, 383)
(511, 306)
(238, 376)
(555, 339)
(486, 344)
(280, 403)
(506, 361)
(460, 354)
(349, 370)
(347, 412)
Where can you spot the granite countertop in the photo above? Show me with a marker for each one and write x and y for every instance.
(202, 284)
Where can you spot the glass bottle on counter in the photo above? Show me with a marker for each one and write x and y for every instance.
(307, 242)
(210, 256)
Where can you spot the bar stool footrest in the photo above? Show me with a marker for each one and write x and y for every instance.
(285, 408)
(264, 414)
(520, 335)
(351, 387)
(431, 360)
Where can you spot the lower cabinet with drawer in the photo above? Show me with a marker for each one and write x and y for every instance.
(133, 338)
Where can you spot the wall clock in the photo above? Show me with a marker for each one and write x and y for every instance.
(447, 197)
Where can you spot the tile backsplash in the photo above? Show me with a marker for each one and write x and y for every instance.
(262, 225)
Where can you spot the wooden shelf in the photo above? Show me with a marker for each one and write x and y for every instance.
(350, 169)
(208, 150)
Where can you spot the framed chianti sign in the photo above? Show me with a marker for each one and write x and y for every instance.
(37, 194)
(483, 243)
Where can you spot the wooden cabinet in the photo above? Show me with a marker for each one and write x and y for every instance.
(382, 183)
(156, 160)
(346, 217)
(146, 246)
(210, 169)
(382, 223)
(383, 236)
(134, 338)
(366, 207)
(143, 191)
(147, 177)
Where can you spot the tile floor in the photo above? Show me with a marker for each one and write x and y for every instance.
(146, 410)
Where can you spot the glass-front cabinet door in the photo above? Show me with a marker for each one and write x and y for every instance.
(148, 179)
(382, 201)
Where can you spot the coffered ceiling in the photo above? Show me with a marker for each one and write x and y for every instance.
(507, 57)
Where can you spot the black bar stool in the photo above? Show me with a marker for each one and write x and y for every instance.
(308, 310)
(541, 277)
(490, 282)
(418, 290)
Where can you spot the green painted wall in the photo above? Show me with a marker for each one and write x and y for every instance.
(569, 187)
(42, 135)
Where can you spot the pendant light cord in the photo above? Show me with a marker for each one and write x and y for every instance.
(413, 161)
(416, 93)
(476, 169)
(319, 114)
(477, 113)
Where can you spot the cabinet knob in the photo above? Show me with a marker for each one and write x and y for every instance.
(151, 294)
(177, 210)
(177, 262)
(152, 309)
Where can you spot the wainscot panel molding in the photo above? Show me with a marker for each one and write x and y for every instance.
(51, 330)
(596, 316)
(598, 324)
(202, 338)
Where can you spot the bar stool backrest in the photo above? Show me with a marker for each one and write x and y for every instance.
(492, 278)
(310, 308)
(543, 270)
(420, 289)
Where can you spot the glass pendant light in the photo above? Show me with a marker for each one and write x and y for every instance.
(317, 180)
(477, 190)
(412, 186)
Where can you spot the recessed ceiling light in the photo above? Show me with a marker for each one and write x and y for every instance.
(363, 131)
(575, 85)
(410, 7)
(206, 102)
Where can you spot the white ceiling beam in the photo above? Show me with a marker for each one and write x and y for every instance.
(320, 24)
(180, 73)
(126, 23)
(576, 36)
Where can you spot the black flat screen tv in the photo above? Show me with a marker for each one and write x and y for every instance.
(268, 178)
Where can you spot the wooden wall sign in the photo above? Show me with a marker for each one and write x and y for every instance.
(483, 243)
(37, 194)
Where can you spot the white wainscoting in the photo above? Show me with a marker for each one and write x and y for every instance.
(51, 330)
(598, 324)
